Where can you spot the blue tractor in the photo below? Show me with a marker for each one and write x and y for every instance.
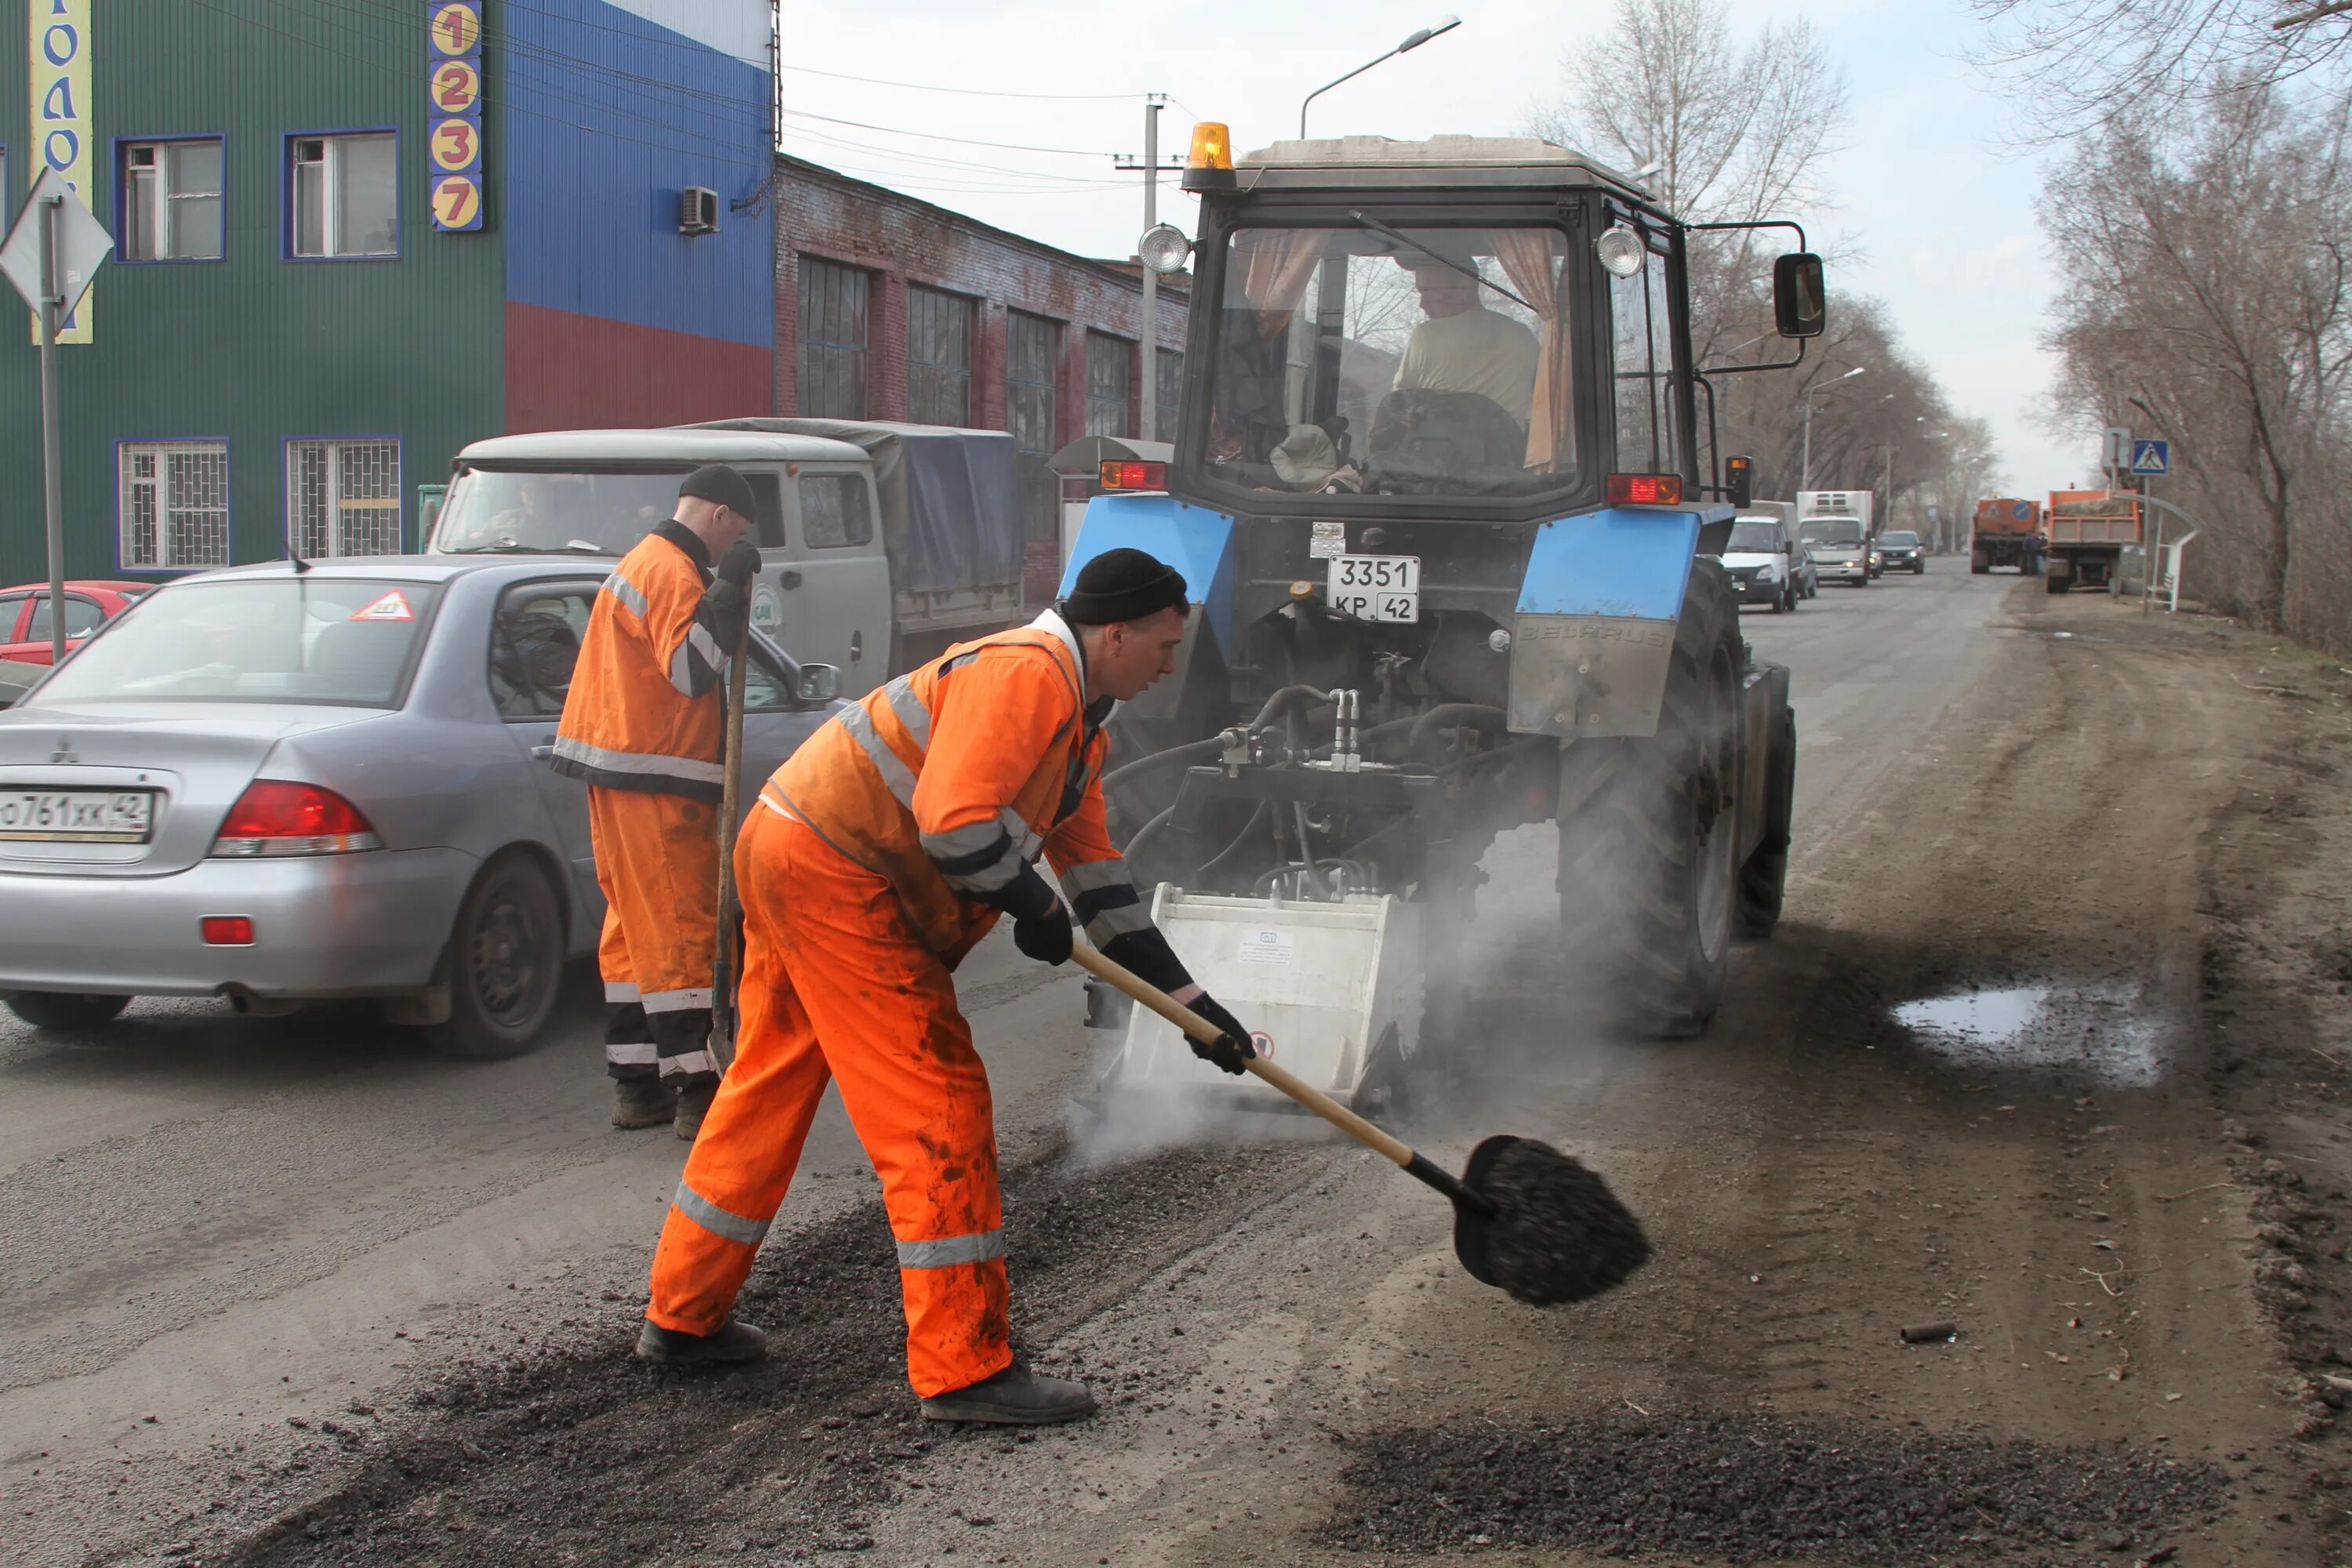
(1437, 490)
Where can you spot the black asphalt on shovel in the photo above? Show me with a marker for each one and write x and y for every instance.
(1527, 1218)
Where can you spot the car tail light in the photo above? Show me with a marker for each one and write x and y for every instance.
(1645, 489)
(227, 930)
(1119, 475)
(274, 818)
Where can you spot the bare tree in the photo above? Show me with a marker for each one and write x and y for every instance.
(2205, 298)
(2081, 63)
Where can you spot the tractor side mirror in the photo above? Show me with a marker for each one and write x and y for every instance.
(1799, 303)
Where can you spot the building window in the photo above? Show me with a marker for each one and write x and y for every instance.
(939, 357)
(1170, 394)
(1033, 347)
(833, 340)
(172, 504)
(1109, 370)
(345, 194)
(172, 201)
(343, 498)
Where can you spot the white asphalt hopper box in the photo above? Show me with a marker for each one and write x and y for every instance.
(1325, 988)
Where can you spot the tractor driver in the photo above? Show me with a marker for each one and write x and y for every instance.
(1463, 346)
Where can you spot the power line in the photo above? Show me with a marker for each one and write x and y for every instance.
(965, 141)
(964, 92)
(1039, 176)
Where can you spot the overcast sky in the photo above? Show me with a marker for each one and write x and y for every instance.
(1940, 220)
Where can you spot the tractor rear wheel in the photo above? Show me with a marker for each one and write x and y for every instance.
(1648, 832)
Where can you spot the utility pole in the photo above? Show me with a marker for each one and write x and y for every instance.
(1153, 102)
(53, 507)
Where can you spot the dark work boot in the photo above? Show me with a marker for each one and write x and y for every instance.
(1013, 1397)
(694, 1098)
(732, 1344)
(643, 1103)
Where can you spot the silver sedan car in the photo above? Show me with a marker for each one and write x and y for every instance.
(276, 785)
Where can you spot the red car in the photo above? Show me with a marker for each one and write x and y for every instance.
(24, 615)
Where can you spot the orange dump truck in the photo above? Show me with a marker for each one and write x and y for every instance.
(2088, 530)
(2008, 534)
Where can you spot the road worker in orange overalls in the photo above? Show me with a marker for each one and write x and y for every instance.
(642, 725)
(877, 856)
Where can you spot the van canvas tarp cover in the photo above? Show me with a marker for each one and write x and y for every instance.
(950, 501)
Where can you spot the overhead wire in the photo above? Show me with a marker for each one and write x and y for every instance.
(965, 91)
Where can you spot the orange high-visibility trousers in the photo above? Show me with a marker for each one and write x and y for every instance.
(658, 862)
(837, 985)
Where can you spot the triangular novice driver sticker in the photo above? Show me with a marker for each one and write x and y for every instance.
(392, 606)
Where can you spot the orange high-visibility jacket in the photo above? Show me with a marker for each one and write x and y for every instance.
(643, 710)
(951, 780)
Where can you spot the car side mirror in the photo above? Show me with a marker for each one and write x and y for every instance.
(817, 683)
(1799, 303)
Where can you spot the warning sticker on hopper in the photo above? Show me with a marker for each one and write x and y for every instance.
(1264, 946)
(392, 606)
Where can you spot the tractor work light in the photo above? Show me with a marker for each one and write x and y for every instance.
(1645, 489)
(1163, 248)
(1621, 251)
(1116, 475)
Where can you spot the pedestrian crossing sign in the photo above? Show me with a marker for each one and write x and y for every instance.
(2151, 457)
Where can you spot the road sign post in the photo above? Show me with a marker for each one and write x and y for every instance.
(51, 255)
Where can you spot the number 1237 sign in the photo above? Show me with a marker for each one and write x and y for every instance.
(453, 89)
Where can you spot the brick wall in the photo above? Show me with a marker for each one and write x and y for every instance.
(899, 239)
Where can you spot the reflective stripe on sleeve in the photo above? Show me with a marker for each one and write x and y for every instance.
(1108, 925)
(949, 1251)
(647, 765)
(978, 858)
(718, 1221)
(696, 663)
(910, 711)
(895, 774)
(632, 597)
(677, 1001)
(1031, 845)
(689, 1062)
(1087, 876)
(630, 1053)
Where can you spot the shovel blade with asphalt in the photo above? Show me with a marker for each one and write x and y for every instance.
(1527, 1220)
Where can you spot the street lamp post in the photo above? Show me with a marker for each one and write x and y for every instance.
(1414, 40)
(1805, 468)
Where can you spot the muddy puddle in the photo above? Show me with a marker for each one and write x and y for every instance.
(2100, 1032)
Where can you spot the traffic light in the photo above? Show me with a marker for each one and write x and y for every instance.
(1739, 476)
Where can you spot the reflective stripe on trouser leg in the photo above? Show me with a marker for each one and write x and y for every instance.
(682, 1041)
(628, 1044)
(742, 1160)
(658, 863)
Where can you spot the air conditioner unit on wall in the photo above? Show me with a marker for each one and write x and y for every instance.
(697, 210)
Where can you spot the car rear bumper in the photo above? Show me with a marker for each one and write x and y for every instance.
(369, 924)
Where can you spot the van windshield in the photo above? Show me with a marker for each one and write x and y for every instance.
(1752, 538)
(491, 511)
(1831, 530)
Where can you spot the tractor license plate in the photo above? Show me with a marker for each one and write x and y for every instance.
(77, 816)
(1376, 587)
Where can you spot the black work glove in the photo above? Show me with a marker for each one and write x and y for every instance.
(1232, 1047)
(1045, 937)
(740, 564)
(726, 611)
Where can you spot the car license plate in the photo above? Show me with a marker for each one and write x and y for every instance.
(77, 815)
(1376, 587)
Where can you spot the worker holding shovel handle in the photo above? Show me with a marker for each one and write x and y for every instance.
(876, 858)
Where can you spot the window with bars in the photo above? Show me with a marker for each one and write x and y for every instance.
(172, 504)
(1033, 347)
(1109, 369)
(345, 195)
(1170, 394)
(343, 498)
(834, 300)
(172, 201)
(939, 356)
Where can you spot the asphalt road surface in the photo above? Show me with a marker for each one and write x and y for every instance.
(291, 1290)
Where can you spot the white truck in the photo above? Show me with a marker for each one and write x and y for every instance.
(1835, 526)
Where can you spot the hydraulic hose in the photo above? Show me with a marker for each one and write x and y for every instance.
(1189, 751)
(1451, 715)
(1143, 833)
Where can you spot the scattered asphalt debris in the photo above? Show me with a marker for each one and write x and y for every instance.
(1745, 1490)
(1558, 1234)
(577, 1454)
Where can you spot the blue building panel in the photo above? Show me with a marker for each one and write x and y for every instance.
(611, 116)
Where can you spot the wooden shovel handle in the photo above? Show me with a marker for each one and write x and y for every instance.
(1200, 1030)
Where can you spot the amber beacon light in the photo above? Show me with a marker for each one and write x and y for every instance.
(1209, 166)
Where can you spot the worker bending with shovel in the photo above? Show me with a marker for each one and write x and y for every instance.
(642, 726)
(877, 856)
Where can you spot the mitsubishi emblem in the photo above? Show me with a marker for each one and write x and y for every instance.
(65, 752)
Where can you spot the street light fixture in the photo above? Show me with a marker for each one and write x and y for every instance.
(1805, 468)
(1414, 40)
